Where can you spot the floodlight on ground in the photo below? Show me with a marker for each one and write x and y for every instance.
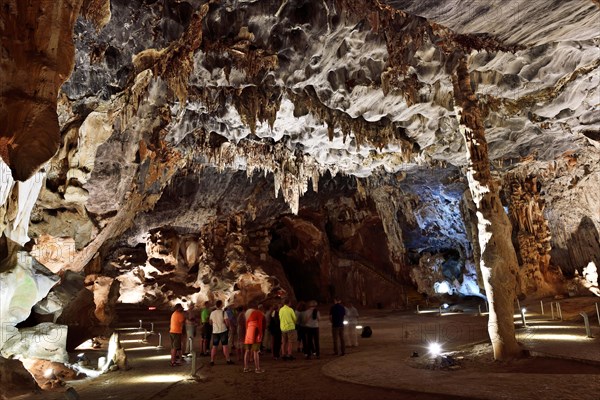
(435, 349)
(523, 317)
(359, 326)
(345, 322)
(445, 305)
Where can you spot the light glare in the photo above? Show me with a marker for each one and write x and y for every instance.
(435, 348)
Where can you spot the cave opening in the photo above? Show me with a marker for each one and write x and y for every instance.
(299, 263)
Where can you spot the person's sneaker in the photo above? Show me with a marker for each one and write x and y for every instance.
(230, 362)
(259, 371)
(212, 363)
(291, 358)
(247, 370)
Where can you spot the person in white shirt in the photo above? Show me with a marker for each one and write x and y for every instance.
(352, 318)
(220, 325)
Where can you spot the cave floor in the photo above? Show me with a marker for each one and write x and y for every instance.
(381, 367)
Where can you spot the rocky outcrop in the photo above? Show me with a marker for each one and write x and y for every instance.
(15, 379)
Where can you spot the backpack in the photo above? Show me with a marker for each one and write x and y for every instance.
(366, 332)
(315, 313)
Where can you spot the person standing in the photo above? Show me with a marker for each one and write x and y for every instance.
(230, 311)
(219, 322)
(275, 330)
(175, 332)
(312, 316)
(287, 322)
(254, 335)
(191, 321)
(352, 318)
(206, 329)
(336, 316)
(300, 327)
(241, 332)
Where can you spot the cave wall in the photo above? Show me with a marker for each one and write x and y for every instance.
(253, 247)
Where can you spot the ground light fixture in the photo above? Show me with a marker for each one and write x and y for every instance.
(523, 317)
(435, 349)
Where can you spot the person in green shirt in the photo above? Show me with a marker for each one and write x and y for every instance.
(287, 321)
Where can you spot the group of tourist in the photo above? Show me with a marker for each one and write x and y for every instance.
(251, 330)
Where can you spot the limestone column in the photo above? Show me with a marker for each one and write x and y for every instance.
(498, 257)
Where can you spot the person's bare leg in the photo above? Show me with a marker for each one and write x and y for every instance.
(213, 353)
(284, 343)
(226, 352)
(256, 361)
(246, 355)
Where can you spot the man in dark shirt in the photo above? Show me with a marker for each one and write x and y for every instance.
(336, 316)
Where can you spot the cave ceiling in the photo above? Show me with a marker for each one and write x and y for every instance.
(172, 105)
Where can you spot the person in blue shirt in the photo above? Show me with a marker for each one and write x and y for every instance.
(336, 316)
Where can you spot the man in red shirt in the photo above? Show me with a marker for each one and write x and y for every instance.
(255, 324)
(175, 331)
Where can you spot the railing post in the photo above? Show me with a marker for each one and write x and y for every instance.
(523, 318)
(542, 306)
(586, 321)
(160, 346)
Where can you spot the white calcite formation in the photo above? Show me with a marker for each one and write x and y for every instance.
(22, 287)
(16, 203)
(46, 341)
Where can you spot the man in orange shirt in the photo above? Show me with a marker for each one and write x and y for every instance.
(177, 321)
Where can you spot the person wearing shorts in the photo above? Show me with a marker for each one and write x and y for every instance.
(287, 321)
(219, 321)
(255, 325)
(175, 331)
